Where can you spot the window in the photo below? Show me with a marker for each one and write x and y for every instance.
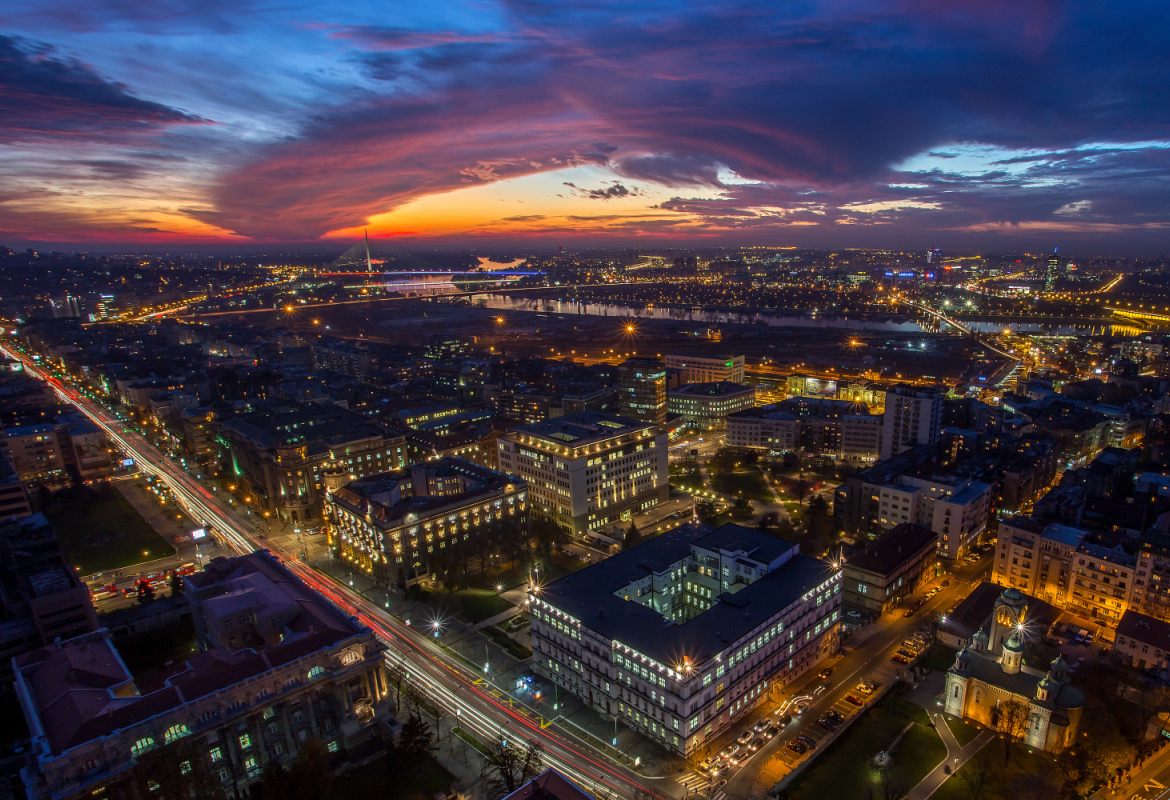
(176, 732)
(215, 755)
(142, 745)
(333, 746)
(245, 741)
(315, 671)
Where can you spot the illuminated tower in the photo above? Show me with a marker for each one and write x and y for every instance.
(1053, 271)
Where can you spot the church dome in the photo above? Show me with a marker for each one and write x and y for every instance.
(1012, 595)
(962, 660)
(979, 641)
(1016, 643)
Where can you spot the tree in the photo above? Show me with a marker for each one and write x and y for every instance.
(415, 742)
(976, 774)
(724, 460)
(741, 509)
(507, 767)
(1010, 720)
(145, 592)
(706, 510)
(769, 522)
(309, 776)
(632, 537)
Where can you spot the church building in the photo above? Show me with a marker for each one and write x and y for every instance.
(990, 671)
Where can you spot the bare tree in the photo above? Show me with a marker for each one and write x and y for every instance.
(1011, 721)
(507, 767)
(976, 774)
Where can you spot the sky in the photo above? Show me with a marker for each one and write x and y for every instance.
(971, 125)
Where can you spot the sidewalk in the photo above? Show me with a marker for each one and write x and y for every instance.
(956, 757)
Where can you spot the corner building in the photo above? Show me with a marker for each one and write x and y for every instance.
(682, 636)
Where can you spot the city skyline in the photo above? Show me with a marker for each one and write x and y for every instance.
(982, 126)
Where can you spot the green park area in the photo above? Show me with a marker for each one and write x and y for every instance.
(100, 530)
(848, 771)
(748, 484)
(986, 775)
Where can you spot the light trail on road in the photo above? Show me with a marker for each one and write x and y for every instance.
(453, 688)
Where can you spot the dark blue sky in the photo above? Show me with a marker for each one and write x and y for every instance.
(965, 125)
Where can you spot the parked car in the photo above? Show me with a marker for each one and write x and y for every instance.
(854, 699)
(1089, 639)
(947, 582)
(827, 724)
(796, 746)
(902, 651)
(909, 612)
(867, 687)
(1080, 637)
(807, 741)
(834, 715)
(901, 659)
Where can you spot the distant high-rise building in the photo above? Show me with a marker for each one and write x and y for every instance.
(1053, 272)
(913, 415)
(642, 389)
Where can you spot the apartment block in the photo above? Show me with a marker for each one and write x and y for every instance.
(912, 416)
(642, 390)
(814, 425)
(589, 469)
(682, 636)
(1056, 564)
(879, 575)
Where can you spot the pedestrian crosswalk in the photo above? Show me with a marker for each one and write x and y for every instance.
(700, 784)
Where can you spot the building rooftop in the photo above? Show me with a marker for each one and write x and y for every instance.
(713, 389)
(83, 690)
(388, 498)
(583, 427)
(897, 546)
(589, 594)
(1145, 629)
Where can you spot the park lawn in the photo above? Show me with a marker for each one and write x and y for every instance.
(845, 771)
(939, 657)
(965, 732)
(1026, 767)
(100, 530)
(476, 605)
(751, 484)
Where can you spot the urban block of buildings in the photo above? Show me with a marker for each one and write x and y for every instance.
(278, 666)
(819, 426)
(885, 571)
(706, 406)
(681, 636)
(397, 526)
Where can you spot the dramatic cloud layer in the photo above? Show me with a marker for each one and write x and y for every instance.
(974, 123)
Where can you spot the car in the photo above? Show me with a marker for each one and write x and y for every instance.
(854, 699)
(1080, 637)
(853, 614)
(867, 687)
(762, 725)
(1089, 639)
(772, 731)
(946, 583)
(827, 724)
(834, 715)
(735, 756)
(826, 672)
(909, 612)
(756, 743)
(784, 720)
(807, 741)
(796, 746)
(744, 737)
(801, 706)
(902, 651)
(901, 659)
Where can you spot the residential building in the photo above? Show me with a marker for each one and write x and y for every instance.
(278, 666)
(682, 636)
(958, 509)
(642, 390)
(879, 575)
(590, 469)
(41, 596)
(912, 416)
(348, 358)
(279, 454)
(1151, 590)
(706, 406)
(402, 526)
(14, 500)
(1056, 564)
(1143, 642)
(702, 369)
(812, 425)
